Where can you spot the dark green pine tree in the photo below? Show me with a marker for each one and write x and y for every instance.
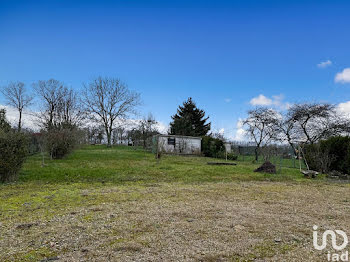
(189, 121)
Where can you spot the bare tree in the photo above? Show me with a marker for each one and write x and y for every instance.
(60, 106)
(218, 135)
(285, 131)
(16, 96)
(106, 99)
(49, 92)
(268, 151)
(315, 121)
(261, 123)
(68, 111)
(147, 129)
(120, 134)
(100, 134)
(92, 132)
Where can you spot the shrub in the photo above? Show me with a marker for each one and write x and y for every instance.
(60, 142)
(330, 154)
(318, 158)
(4, 125)
(212, 147)
(220, 154)
(13, 151)
(34, 143)
(231, 156)
(339, 148)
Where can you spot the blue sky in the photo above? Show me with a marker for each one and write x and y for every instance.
(223, 54)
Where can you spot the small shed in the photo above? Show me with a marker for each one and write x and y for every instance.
(174, 144)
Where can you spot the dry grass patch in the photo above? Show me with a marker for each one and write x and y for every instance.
(248, 221)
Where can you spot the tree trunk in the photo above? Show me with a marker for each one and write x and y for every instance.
(289, 139)
(108, 130)
(256, 154)
(108, 139)
(20, 121)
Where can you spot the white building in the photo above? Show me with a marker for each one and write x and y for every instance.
(228, 147)
(173, 144)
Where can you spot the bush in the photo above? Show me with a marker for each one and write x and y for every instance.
(330, 154)
(318, 158)
(339, 148)
(213, 147)
(34, 143)
(13, 151)
(60, 142)
(4, 125)
(220, 154)
(231, 156)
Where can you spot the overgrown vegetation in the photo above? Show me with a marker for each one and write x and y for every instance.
(304, 123)
(330, 154)
(60, 142)
(232, 156)
(213, 147)
(60, 118)
(13, 150)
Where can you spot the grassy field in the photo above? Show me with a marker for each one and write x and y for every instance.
(121, 204)
(278, 161)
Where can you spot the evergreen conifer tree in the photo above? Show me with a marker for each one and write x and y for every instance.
(189, 120)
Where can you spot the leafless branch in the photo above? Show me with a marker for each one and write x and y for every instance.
(106, 99)
(16, 96)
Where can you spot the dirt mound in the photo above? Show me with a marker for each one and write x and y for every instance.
(267, 167)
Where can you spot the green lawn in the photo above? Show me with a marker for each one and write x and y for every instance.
(124, 164)
(121, 204)
(276, 160)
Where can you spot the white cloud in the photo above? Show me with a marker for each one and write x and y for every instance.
(129, 124)
(343, 77)
(28, 118)
(344, 107)
(324, 64)
(162, 128)
(240, 134)
(260, 100)
(227, 100)
(222, 131)
(276, 100)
